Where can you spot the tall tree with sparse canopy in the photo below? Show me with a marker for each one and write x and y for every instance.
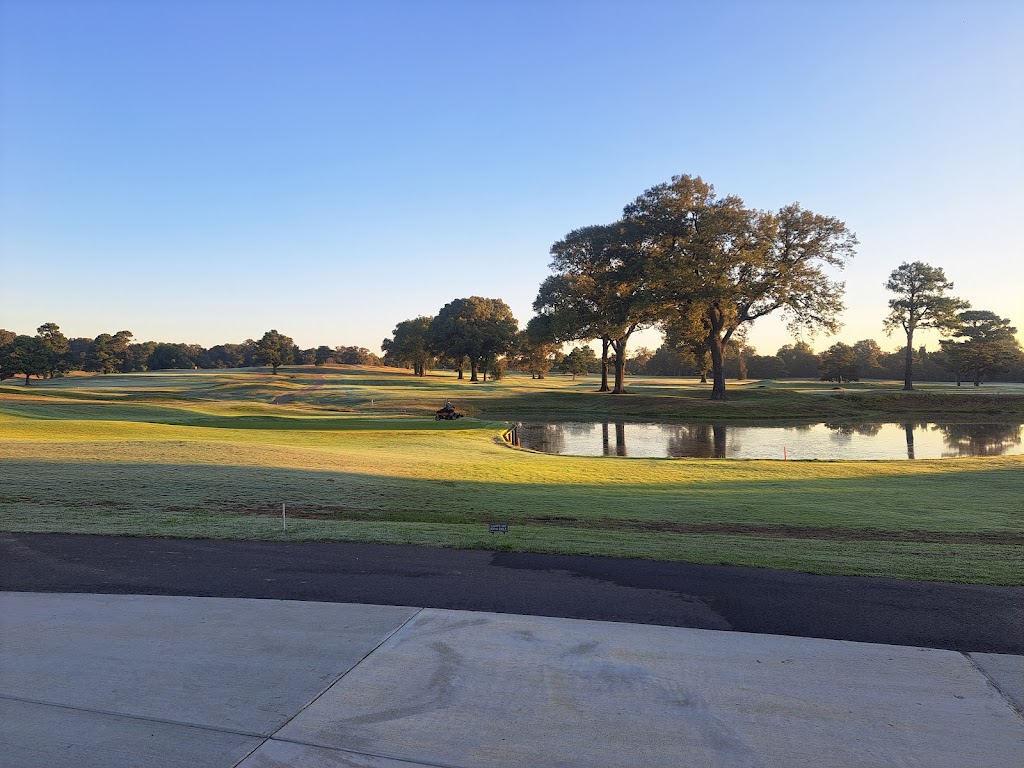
(275, 350)
(56, 344)
(716, 258)
(921, 301)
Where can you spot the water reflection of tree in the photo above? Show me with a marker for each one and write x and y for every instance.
(867, 429)
(699, 441)
(548, 438)
(619, 449)
(579, 428)
(908, 429)
(620, 438)
(979, 439)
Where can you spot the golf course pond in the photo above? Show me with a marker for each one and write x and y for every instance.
(808, 441)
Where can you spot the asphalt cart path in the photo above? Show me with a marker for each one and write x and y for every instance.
(970, 618)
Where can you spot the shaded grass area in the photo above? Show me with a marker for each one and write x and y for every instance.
(359, 458)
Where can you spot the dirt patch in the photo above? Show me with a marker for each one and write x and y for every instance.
(812, 532)
(643, 526)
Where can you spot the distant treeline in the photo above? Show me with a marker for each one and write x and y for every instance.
(841, 362)
(702, 269)
(863, 360)
(50, 353)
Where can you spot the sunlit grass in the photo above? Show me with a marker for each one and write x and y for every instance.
(356, 454)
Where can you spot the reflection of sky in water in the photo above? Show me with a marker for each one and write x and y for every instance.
(809, 441)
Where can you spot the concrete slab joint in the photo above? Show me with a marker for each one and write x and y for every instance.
(202, 682)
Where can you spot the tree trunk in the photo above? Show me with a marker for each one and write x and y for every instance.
(908, 363)
(717, 366)
(26, 378)
(703, 377)
(719, 437)
(716, 345)
(619, 347)
(604, 364)
(908, 429)
(473, 369)
(460, 373)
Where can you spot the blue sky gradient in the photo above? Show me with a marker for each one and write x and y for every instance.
(205, 171)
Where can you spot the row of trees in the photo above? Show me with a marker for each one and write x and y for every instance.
(482, 335)
(699, 266)
(983, 346)
(981, 343)
(1000, 360)
(50, 353)
(475, 333)
(696, 265)
(702, 268)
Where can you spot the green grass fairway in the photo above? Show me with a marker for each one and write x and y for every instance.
(356, 456)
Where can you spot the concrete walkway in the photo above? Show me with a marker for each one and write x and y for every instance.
(111, 681)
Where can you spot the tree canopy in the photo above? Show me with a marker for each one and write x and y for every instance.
(988, 346)
(408, 345)
(580, 362)
(26, 356)
(921, 301)
(537, 350)
(476, 328)
(839, 364)
(275, 350)
(599, 290)
(717, 260)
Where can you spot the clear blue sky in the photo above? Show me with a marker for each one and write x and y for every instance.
(205, 171)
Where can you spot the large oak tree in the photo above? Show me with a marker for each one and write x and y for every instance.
(477, 328)
(275, 350)
(25, 355)
(729, 265)
(600, 290)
